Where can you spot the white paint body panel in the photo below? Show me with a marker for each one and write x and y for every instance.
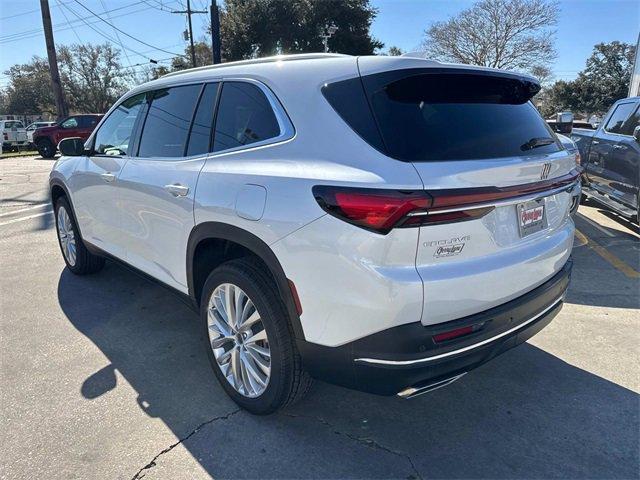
(351, 282)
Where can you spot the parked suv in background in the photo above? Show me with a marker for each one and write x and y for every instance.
(383, 223)
(46, 139)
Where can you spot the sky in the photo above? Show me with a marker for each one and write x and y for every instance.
(582, 24)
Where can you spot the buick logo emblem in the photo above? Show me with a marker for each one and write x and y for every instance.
(546, 169)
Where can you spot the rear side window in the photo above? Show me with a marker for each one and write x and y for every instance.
(88, 121)
(443, 115)
(199, 140)
(166, 127)
(618, 122)
(244, 117)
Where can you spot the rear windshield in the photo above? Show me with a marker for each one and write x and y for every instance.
(452, 116)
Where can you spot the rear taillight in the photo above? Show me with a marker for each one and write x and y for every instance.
(376, 210)
(382, 210)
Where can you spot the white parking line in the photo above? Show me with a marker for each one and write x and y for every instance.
(22, 219)
(13, 212)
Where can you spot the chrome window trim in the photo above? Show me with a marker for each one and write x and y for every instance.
(378, 361)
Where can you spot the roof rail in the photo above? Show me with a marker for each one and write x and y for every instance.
(255, 61)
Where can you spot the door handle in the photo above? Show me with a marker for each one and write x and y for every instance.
(108, 177)
(177, 190)
(595, 142)
(618, 147)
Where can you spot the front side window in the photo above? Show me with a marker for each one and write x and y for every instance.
(166, 127)
(244, 117)
(71, 122)
(13, 124)
(115, 135)
(616, 123)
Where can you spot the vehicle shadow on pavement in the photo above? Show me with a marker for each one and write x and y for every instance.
(525, 414)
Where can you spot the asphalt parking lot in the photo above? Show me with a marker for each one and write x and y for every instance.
(106, 377)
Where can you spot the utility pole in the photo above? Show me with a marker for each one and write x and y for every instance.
(190, 12)
(215, 32)
(329, 31)
(58, 95)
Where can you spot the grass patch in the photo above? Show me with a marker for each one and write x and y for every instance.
(20, 153)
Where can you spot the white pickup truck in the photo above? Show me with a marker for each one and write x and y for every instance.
(13, 134)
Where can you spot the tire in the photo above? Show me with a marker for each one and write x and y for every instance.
(45, 147)
(287, 381)
(78, 259)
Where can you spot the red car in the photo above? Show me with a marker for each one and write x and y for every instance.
(46, 139)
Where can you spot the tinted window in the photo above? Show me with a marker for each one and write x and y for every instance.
(13, 124)
(203, 121)
(114, 135)
(166, 127)
(88, 121)
(631, 123)
(244, 117)
(454, 116)
(617, 122)
(71, 122)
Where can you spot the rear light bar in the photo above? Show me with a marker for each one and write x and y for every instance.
(381, 210)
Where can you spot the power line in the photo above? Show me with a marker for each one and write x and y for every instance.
(67, 19)
(60, 26)
(125, 33)
(117, 35)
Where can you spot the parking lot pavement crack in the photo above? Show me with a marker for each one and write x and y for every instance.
(142, 472)
(368, 442)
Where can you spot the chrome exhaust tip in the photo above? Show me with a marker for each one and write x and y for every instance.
(411, 392)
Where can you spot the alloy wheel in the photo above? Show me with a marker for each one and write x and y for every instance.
(239, 340)
(67, 236)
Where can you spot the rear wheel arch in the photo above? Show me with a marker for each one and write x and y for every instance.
(213, 243)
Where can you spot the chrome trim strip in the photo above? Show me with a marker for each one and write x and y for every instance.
(411, 392)
(377, 361)
(499, 203)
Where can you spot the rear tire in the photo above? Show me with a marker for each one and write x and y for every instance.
(287, 381)
(78, 259)
(45, 147)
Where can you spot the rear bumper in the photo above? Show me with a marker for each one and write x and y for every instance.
(407, 356)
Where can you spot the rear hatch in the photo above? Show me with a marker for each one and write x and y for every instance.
(501, 182)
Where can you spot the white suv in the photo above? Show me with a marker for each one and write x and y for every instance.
(383, 223)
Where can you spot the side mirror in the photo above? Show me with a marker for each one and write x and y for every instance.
(71, 147)
(636, 133)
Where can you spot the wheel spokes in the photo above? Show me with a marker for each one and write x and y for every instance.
(239, 340)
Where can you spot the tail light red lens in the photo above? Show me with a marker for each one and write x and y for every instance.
(372, 209)
(381, 210)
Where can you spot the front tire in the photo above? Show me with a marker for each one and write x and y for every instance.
(46, 149)
(78, 259)
(249, 339)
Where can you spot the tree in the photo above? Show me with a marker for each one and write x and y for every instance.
(267, 27)
(604, 80)
(92, 76)
(29, 89)
(394, 51)
(204, 56)
(509, 34)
